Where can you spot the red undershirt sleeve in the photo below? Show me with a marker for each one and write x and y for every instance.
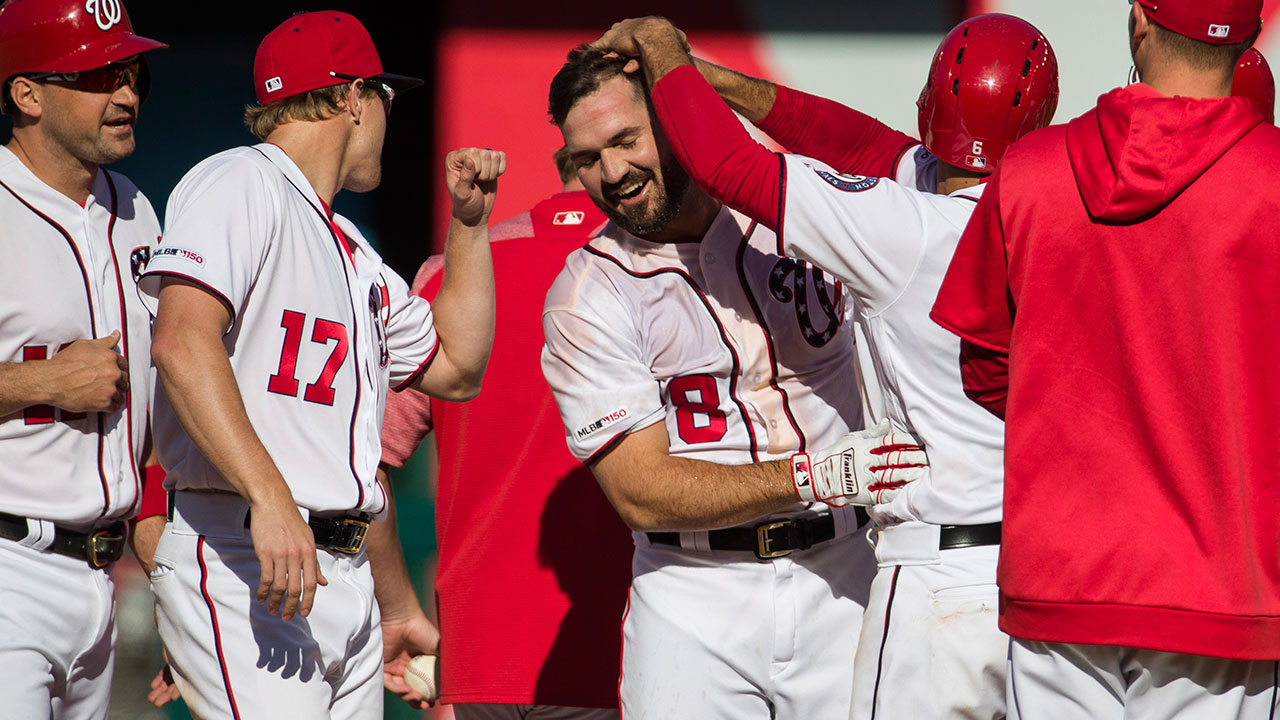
(839, 136)
(715, 149)
(985, 374)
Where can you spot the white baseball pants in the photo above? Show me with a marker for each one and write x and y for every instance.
(1096, 682)
(57, 633)
(930, 645)
(712, 635)
(234, 661)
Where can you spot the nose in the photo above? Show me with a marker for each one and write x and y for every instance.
(126, 95)
(613, 167)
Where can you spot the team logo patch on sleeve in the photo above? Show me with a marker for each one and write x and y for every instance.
(178, 252)
(591, 428)
(138, 258)
(848, 183)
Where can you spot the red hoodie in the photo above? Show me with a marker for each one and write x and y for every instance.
(1129, 264)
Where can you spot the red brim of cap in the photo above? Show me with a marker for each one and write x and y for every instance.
(400, 83)
(97, 56)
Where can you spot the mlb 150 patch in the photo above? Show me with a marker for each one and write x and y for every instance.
(848, 183)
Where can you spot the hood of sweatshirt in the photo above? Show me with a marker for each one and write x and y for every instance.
(1139, 149)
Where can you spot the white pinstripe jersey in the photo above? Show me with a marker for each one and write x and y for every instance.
(745, 355)
(891, 243)
(69, 273)
(317, 333)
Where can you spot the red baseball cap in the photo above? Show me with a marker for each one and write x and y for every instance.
(318, 49)
(1221, 22)
(1253, 80)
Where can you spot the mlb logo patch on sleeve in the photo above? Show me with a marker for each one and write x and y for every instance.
(569, 217)
(848, 183)
(179, 252)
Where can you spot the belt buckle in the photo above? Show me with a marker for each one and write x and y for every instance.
(764, 543)
(104, 547)
(361, 528)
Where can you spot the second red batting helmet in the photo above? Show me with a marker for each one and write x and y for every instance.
(993, 80)
(1253, 80)
(63, 36)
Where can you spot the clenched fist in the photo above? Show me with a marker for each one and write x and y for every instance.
(471, 174)
(89, 376)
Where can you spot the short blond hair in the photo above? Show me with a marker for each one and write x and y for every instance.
(312, 106)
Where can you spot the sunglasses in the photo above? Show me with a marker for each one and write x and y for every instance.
(381, 89)
(107, 78)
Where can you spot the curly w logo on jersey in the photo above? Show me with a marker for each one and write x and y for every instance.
(848, 183)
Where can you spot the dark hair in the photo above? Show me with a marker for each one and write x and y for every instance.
(583, 74)
(1202, 55)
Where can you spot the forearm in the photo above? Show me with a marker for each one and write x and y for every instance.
(463, 313)
(22, 385)
(654, 491)
(196, 375)
(845, 139)
(752, 98)
(391, 585)
(143, 539)
(715, 149)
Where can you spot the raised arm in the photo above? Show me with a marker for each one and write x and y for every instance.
(464, 308)
(703, 134)
(823, 129)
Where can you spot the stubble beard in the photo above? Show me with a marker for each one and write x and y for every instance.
(668, 198)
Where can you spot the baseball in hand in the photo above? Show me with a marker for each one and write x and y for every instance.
(420, 676)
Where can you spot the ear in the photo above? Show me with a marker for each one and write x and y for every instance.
(355, 101)
(26, 96)
(1141, 24)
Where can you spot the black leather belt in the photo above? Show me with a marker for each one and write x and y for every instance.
(342, 534)
(768, 540)
(99, 548)
(962, 536)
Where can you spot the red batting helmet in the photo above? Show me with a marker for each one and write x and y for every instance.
(993, 80)
(1253, 80)
(64, 36)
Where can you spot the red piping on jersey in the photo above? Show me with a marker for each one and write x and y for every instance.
(337, 232)
(431, 356)
(622, 650)
(768, 337)
(93, 330)
(217, 634)
(124, 344)
(782, 201)
(604, 448)
(355, 334)
(724, 336)
(196, 281)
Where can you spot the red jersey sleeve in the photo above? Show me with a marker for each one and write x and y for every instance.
(715, 149)
(155, 501)
(985, 375)
(974, 301)
(839, 136)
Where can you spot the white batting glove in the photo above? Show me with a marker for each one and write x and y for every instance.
(866, 467)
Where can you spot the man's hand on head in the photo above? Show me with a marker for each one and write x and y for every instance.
(660, 45)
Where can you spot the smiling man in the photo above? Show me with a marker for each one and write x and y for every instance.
(695, 370)
(74, 346)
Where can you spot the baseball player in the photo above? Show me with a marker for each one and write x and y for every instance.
(931, 619)
(525, 518)
(1119, 275)
(74, 344)
(689, 361)
(277, 332)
